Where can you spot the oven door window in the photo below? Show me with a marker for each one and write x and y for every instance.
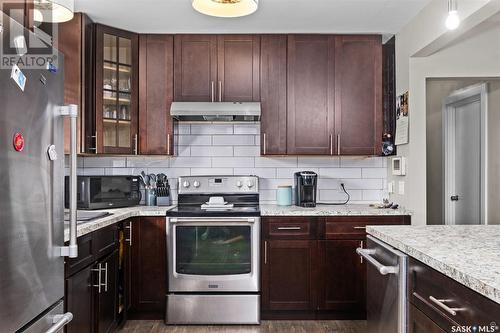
(213, 250)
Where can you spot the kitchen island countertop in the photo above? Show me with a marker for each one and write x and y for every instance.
(329, 210)
(467, 254)
(117, 215)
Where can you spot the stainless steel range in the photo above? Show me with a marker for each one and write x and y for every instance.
(213, 239)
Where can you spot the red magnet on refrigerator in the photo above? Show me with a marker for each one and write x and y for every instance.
(18, 142)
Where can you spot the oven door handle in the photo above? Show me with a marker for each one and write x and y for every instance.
(215, 220)
(384, 270)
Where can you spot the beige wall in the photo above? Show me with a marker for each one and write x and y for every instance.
(436, 91)
(462, 54)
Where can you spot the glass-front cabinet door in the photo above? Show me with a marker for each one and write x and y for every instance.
(116, 91)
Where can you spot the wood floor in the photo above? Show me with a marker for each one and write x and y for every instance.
(330, 326)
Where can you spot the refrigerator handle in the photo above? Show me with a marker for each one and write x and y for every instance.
(71, 250)
(60, 321)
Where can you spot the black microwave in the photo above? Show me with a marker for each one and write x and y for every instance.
(101, 192)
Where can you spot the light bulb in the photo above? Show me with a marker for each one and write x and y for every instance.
(452, 21)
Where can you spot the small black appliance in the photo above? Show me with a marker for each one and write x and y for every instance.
(305, 188)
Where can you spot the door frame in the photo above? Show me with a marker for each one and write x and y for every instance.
(477, 92)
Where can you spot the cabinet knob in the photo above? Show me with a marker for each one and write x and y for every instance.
(186, 184)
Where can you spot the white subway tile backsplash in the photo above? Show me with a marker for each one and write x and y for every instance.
(276, 162)
(272, 184)
(267, 195)
(337, 196)
(259, 172)
(211, 129)
(247, 151)
(236, 140)
(190, 162)
(288, 172)
(184, 129)
(246, 129)
(104, 162)
(374, 172)
(194, 140)
(148, 161)
(318, 161)
(211, 171)
(211, 150)
(340, 173)
(232, 162)
(361, 162)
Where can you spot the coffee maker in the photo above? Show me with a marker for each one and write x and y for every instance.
(305, 188)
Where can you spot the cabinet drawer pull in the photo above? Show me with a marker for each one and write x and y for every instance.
(338, 144)
(440, 303)
(168, 144)
(265, 252)
(106, 277)
(289, 228)
(359, 228)
(331, 144)
(362, 246)
(129, 239)
(212, 88)
(99, 284)
(264, 143)
(220, 91)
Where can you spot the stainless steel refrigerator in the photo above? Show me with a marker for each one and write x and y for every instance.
(31, 197)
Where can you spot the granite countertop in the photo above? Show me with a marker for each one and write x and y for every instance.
(118, 214)
(467, 254)
(328, 210)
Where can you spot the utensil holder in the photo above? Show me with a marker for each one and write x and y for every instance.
(150, 197)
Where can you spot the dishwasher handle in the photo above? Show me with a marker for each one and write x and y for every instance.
(384, 270)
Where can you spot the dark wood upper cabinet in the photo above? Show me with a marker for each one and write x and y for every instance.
(343, 277)
(195, 68)
(148, 260)
(358, 95)
(311, 94)
(216, 68)
(273, 94)
(75, 43)
(288, 275)
(116, 91)
(156, 66)
(238, 68)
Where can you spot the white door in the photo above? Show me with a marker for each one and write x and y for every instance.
(465, 156)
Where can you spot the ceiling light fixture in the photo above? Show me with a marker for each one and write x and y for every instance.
(53, 11)
(226, 8)
(452, 21)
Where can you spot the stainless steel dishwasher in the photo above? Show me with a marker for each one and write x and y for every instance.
(386, 287)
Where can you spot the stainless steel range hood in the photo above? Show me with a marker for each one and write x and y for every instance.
(216, 111)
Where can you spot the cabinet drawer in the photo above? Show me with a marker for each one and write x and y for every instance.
(446, 301)
(290, 228)
(105, 241)
(354, 227)
(85, 255)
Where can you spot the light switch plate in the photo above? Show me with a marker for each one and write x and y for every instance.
(401, 187)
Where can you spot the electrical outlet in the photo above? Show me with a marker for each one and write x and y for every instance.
(390, 187)
(401, 188)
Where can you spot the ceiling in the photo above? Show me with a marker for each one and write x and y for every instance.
(273, 16)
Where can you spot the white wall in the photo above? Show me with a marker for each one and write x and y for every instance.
(227, 149)
(475, 53)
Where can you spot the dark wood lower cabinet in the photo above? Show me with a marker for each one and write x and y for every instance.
(107, 296)
(343, 278)
(79, 296)
(149, 269)
(310, 269)
(420, 323)
(287, 275)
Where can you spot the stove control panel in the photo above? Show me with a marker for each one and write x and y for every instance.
(218, 184)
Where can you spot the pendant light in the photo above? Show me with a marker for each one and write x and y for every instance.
(452, 21)
(53, 11)
(226, 8)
